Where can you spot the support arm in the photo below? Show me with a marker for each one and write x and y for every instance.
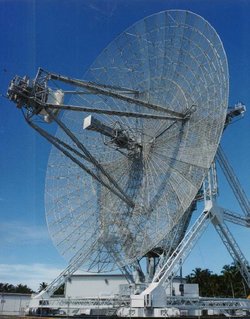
(234, 250)
(166, 273)
(105, 90)
(236, 218)
(233, 181)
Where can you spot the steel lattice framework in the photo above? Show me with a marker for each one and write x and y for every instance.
(150, 68)
(134, 144)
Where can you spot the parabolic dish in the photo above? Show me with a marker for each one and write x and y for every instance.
(176, 60)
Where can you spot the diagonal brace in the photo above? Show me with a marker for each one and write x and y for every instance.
(91, 158)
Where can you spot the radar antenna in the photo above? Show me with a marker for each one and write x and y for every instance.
(135, 141)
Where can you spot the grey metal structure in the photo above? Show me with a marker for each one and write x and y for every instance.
(135, 142)
(234, 182)
(154, 297)
(219, 306)
(128, 178)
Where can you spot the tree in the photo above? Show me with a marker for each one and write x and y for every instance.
(233, 282)
(24, 289)
(20, 288)
(229, 283)
(5, 287)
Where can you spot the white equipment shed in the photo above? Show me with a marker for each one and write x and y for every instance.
(14, 303)
(94, 285)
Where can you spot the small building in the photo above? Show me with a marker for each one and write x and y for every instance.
(13, 303)
(94, 285)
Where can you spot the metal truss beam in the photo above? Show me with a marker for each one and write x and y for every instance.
(202, 303)
(233, 181)
(86, 303)
(109, 91)
(236, 218)
(173, 264)
(110, 112)
(234, 250)
(205, 303)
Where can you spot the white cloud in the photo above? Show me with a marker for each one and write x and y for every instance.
(18, 233)
(28, 274)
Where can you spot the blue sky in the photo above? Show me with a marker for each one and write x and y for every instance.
(65, 37)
